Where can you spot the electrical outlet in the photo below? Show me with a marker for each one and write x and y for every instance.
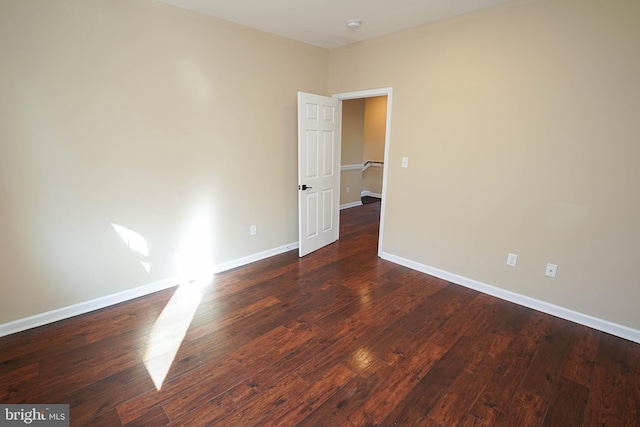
(254, 230)
(512, 259)
(551, 270)
(348, 189)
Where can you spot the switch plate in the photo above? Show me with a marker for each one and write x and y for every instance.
(405, 162)
(254, 230)
(551, 270)
(512, 259)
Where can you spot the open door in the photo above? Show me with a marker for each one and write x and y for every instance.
(319, 133)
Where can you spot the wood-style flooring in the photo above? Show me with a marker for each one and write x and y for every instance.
(338, 338)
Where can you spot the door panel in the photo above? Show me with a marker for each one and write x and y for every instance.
(319, 127)
(327, 206)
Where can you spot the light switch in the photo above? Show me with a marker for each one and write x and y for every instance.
(405, 162)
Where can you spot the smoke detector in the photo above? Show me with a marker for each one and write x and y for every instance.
(354, 23)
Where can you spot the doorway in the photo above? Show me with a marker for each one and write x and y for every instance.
(372, 166)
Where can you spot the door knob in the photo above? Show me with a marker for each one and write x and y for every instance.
(303, 187)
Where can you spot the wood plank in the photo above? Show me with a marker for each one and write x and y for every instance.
(612, 354)
(231, 367)
(287, 311)
(257, 383)
(432, 386)
(568, 404)
(632, 400)
(252, 357)
(227, 319)
(209, 413)
(581, 359)
(401, 299)
(448, 333)
(105, 418)
(18, 375)
(527, 409)
(266, 402)
(93, 362)
(453, 407)
(296, 409)
(12, 381)
(335, 353)
(606, 403)
(473, 421)
(378, 405)
(499, 392)
(105, 395)
(32, 345)
(372, 274)
(139, 316)
(347, 399)
(545, 368)
(156, 417)
(370, 293)
(195, 353)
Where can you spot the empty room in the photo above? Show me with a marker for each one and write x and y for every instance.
(194, 231)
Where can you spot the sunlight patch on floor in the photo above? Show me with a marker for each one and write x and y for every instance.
(194, 263)
(169, 330)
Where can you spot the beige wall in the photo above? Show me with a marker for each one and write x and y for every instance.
(353, 112)
(372, 181)
(176, 126)
(521, 127)
(375, 127)
(350, 186)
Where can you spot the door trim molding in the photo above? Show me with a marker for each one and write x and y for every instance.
(370, 93)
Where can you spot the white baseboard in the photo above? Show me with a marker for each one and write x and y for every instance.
(106, 301)
(367, 193)
(84, 307)
(351, 205)
(253, 258)
(545, 307)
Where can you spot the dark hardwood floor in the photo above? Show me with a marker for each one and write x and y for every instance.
(339, 338)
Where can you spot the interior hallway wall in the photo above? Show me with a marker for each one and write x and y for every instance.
(375, 130)
(352, 148)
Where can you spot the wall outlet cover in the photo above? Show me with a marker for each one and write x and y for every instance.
(551, 270)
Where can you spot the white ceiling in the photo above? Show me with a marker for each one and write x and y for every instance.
(323, 22)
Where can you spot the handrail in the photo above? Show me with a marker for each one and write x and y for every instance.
(362, 167)
(370, 163)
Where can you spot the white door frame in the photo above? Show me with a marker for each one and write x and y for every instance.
(388, 92)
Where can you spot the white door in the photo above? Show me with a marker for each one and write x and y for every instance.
(319, 128)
